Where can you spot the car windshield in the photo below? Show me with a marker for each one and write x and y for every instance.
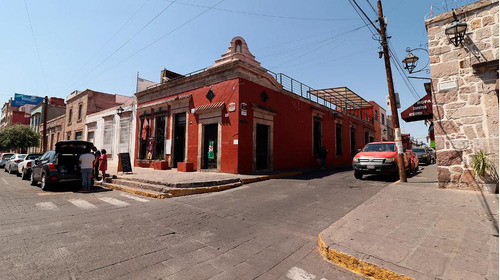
(6, 156)
(21, 156)
(380, 147)
(418, 150)
(33, 156)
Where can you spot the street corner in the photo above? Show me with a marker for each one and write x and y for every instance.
(356, 265)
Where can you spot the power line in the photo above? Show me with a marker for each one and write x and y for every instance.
(112, 37)
(125, 43)
(159, 39)
(261, 15)
(324, 44)
(36, 46)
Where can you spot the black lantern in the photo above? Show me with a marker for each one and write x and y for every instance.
(456, 31)
(410, 62)
(120, 110)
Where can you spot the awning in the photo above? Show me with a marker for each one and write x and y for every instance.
(421, 110)
(210, 107)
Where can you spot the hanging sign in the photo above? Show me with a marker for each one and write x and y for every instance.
(211, 154)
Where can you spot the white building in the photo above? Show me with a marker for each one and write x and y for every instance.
(113, 129)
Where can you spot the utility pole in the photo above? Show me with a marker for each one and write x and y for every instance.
(392, 96)
(44, 133)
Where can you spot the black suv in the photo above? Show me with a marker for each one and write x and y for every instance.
(61, 165)
(423, 154)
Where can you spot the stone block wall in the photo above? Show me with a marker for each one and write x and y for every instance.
(465, 98)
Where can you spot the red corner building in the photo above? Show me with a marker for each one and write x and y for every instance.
(237, 117)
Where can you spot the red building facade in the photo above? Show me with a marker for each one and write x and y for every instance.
(237, 117)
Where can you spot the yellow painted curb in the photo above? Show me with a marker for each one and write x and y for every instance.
(137, 192)
(189, 191)
(358, 266)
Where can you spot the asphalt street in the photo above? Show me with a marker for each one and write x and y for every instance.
(265, 230)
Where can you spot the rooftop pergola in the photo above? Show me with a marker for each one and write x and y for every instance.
(343, 98)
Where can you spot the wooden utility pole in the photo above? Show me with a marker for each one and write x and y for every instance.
(392, 95)
(44, 133)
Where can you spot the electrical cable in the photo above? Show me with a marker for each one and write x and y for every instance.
(36, 46)
(157, 40)
(125, 43)
(261, 15)
(320, 46)
(111, 38)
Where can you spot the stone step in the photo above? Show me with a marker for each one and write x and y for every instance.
(141, 185)
(181, 184)
(161, 191)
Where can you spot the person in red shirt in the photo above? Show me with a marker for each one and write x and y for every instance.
(103, 164)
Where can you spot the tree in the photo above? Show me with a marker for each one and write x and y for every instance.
(18, 137)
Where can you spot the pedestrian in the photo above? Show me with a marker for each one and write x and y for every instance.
(323, 152)
(103, 164)
(97, 155)
(86, 162)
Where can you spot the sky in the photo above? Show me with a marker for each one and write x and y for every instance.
(51, 48)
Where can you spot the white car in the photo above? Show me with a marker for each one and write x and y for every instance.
(11, 165)
(24, 167)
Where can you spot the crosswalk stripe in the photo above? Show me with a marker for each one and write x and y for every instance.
(47, 206)
(297, 273)
(114, 201)
(134, 197)
(82, 203)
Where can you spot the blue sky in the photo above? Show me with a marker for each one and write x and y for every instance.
(54, 47)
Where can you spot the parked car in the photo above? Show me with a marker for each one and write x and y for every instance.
(11, 165)
(24, 167)
(414, 162)
(433, 155)
(379, 158)
(61, 165)
(423, 154)
(5, 157)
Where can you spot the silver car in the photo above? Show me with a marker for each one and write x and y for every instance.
(4, 158)
(11, 164)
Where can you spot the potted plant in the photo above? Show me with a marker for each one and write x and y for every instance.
(160, 164)
(484, 169)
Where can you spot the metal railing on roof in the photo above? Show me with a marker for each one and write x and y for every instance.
(338, 102)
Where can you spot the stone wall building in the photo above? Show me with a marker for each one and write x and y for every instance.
(465, 93)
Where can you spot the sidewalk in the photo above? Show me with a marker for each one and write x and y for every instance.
(416, 230)
(169, 183)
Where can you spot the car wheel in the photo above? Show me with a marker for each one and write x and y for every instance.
(24, 176)
(5, 168)
(18, 174)
(33, 182)
(358, 175)
(45, 186)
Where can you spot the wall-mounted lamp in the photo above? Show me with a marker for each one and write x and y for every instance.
(456, 31)
(410, 62)
(120, 110)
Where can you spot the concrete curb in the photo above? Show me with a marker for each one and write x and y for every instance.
(356, 265)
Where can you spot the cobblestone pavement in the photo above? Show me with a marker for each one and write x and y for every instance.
(264, 230)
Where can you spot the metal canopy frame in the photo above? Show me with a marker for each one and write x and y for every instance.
(342, 97)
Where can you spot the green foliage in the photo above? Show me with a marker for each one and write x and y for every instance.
(481, 164)
(18, 137)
